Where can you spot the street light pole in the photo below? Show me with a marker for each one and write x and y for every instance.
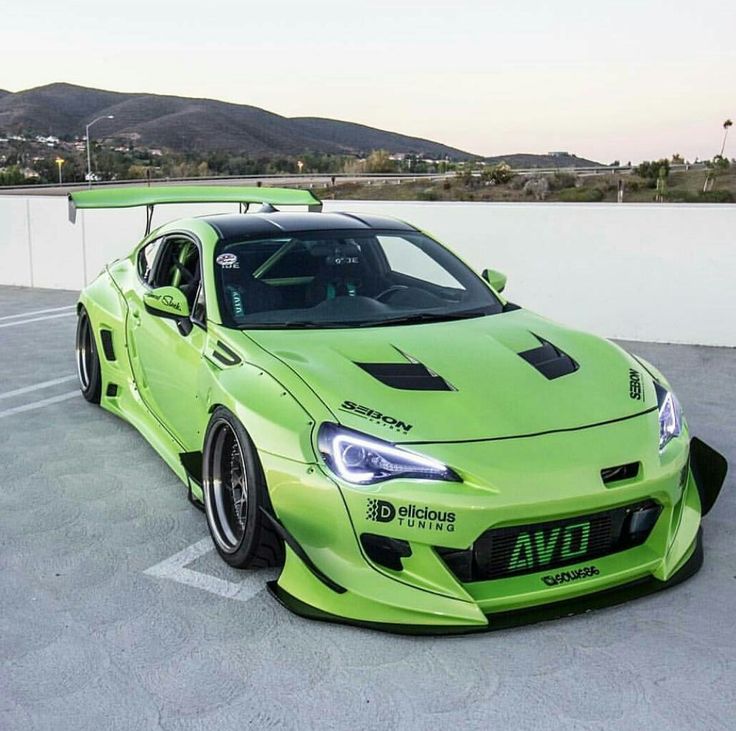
(59, 161)
(89, 155)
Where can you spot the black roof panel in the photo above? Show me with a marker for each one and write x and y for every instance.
(248, 225)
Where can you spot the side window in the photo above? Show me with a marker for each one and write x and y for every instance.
(178, 266)
(147, 258)
(199, 311)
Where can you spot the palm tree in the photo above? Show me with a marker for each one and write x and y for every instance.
(726, 126)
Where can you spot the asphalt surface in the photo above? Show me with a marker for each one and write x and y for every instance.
(115, 613)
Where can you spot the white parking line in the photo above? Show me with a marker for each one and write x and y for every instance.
(39, 404)
(37, 312)
(38, 319)
(36, 386)
(174, 569)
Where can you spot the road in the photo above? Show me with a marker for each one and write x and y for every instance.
(115, 612)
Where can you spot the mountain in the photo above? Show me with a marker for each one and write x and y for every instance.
(184, 124)
(522, 160)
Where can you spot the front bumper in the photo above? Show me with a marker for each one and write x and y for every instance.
(507, 619)
(532, 480)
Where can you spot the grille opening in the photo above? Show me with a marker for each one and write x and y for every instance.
(501, 553)
(111, 390)
(385, 551)
(620, 472)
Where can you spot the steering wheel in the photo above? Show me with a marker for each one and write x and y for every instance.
(394, 288)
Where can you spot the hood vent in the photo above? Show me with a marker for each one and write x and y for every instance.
(549, 360)
(406, 376)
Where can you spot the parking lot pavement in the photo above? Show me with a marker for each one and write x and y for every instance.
(115, 613)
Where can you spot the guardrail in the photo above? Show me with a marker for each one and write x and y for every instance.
(310, 179)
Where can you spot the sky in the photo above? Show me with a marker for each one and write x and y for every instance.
(626, 80)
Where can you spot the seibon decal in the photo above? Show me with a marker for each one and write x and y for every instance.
(636, 391)
(365, 412)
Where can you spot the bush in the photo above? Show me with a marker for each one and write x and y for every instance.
(580, 195)
(710, 196)
(716, 196)
(428, 194)
(561, 180)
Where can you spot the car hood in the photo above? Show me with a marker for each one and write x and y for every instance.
(490, 377)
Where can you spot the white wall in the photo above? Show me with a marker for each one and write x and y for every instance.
(645, 272)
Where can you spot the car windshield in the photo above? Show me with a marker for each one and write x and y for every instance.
(345, 279)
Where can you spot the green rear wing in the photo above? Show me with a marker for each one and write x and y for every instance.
(152, 196)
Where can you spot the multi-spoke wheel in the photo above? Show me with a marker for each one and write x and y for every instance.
(88, 361)
(234, 492)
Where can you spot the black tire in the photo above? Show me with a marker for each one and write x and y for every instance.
(88, 360)
(234, 493)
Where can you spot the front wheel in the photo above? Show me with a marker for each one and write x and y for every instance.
(234, 492)
(88, 360)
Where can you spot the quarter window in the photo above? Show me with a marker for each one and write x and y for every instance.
(147, 258)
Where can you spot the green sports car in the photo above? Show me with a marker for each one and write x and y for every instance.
(346, 399)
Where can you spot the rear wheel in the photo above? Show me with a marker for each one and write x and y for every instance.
(88, 361)
(234, 492)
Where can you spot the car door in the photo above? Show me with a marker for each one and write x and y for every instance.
(166, 355)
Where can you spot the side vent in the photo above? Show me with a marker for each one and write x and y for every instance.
(549, 360)
(406, 376)
(619, 473)
(225, 355)
(106, 338)
(112, 390)
(385, 551)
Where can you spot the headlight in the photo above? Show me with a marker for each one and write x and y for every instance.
(364, 460)
(670, 416)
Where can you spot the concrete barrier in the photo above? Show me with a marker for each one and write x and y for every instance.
(644, 272)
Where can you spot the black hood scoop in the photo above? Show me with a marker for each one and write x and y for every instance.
(406, 376)
(549, 360)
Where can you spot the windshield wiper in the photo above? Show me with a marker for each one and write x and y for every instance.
(419, 317)
(290, 325)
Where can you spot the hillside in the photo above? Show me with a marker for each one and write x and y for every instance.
(184, 124)
(523, 160)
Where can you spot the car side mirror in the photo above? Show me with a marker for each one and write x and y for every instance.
(497, 280)
(166, 302)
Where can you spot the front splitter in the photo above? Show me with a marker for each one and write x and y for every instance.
(513, 618)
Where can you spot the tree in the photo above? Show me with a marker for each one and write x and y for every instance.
(653, 170)
(498, 174)
(726, 126)
(11, 176)
(379, 161)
